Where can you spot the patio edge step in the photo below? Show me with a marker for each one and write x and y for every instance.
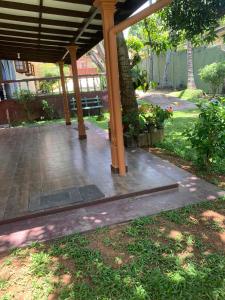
(91, 203)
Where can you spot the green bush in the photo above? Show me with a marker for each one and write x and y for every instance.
(47, 110)
(207, 136)
(213, 74)
(24, 97)
(140, 79)
(47, 85)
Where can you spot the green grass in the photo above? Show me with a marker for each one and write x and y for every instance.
(194, 96)
(141, 260)
(102, 124)
(93, 119)
(175, 141)
(39, 123)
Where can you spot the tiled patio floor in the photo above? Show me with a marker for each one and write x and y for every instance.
(43, 165)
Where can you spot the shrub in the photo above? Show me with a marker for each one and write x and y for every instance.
(140, 79)
(213, 74)
(208, 134)
(48, 110)
(47, 85)
(25, 97)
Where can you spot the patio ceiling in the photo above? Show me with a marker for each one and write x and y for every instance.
(40, 29)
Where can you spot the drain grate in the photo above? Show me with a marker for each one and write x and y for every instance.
(66, 197)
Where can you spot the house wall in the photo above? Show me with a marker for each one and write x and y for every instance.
(177, 70)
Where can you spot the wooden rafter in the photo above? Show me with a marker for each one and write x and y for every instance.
(42, 34)
(47, 21)
(45, 9)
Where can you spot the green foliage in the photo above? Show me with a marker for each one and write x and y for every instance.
(154, 115)
(101, 118)
(25, 97)
(140, 79)
(207, 136)
(103, 83)
(40, 263)
(194, 18)
(47, 86)
(214, 74)
(53, 69)
(134, 43)
(48, 110)
(147, 117)
(153, 33)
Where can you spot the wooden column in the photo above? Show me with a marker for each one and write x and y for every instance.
(73, 56)
(108, 8)
(64, 93)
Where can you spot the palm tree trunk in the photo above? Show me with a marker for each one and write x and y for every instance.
(128, 98)
(190, 69)
(166, 69)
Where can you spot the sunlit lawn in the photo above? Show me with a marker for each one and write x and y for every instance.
(175, 255)
(194, 96)
(175, 140)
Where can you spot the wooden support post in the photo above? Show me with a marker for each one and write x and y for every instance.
(73, 56)
(64, 93)
(108, 8)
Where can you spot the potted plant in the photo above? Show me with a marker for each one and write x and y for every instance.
(145, 127)
(160, 116)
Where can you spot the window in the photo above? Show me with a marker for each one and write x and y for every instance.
(21, 66)
(30, 71)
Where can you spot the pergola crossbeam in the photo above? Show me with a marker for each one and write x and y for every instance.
(45, 9)
(57, 23)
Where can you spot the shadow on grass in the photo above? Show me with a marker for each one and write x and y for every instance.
(176, 255)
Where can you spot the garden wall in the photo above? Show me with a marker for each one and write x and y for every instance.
(177, 69)
(17, 114)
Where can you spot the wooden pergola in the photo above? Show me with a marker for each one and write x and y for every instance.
(61, 31)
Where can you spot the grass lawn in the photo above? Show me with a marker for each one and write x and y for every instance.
(174, 255)
(194, 96)
(174, 139)
(102, 124)
(41, 123)
(93, 119)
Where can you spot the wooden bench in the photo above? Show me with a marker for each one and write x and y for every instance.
(91, 106)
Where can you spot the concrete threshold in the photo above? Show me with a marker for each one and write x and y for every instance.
(55, 210)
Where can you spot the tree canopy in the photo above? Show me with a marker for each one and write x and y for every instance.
(194, 18)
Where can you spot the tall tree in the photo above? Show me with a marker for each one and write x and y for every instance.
(190, 67)
(128, 98)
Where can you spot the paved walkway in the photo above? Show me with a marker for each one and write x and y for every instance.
(191, 190)
(165, 100)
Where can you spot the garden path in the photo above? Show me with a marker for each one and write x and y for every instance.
(164, 100)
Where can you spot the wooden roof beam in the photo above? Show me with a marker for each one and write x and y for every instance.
(47, 22)
(83, 2)
(45, 9)
(31, 46)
